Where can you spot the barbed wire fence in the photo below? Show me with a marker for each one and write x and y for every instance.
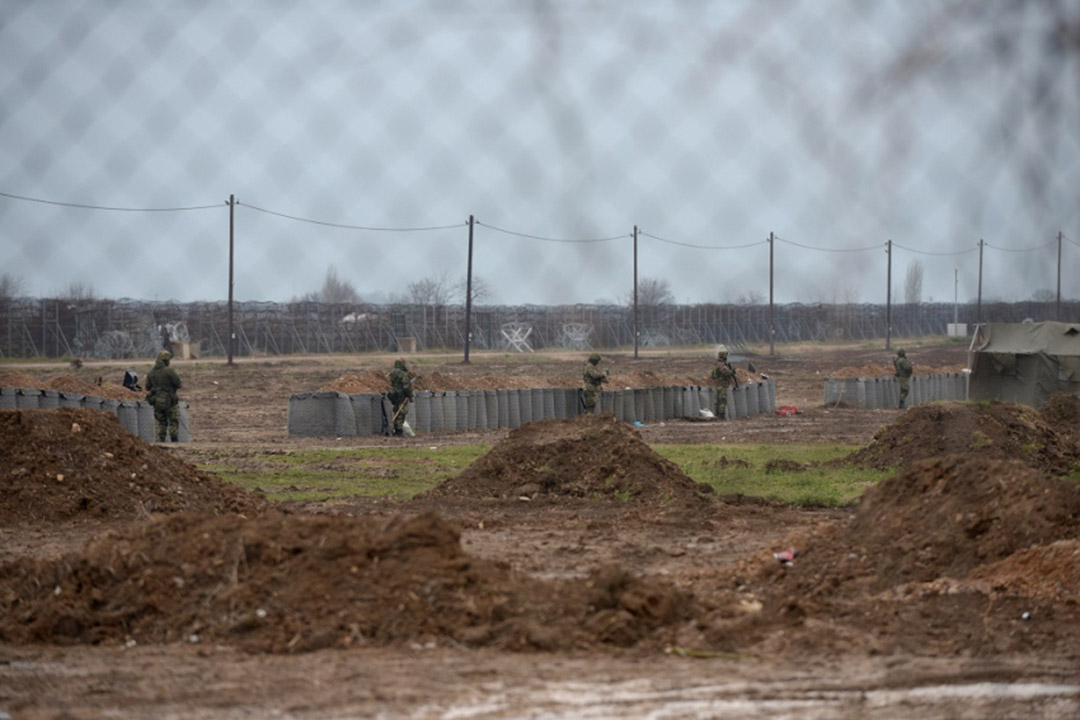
(58, 328)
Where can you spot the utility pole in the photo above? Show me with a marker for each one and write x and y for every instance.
(232, 216)
(1057, 305)
(978, 306)
(772, 325)
(468, 294)
(956, 297)
(635, 296)
(888, 295)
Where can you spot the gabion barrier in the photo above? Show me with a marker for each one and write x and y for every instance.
(333, 414)
(884, 392)
(135, 416)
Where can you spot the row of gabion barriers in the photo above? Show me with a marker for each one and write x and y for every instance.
(335, 414)
(137, 417)
(884, 392)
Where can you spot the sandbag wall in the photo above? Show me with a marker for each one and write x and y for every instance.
(335, 414)
(872, 393)
(137, 417)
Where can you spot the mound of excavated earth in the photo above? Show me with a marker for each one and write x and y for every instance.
(281, 583)
(994, 430)
(590, 456)
(955, 553)
(61, 464)
(1062, 412)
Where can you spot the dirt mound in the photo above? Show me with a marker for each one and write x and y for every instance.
(66, 463)
(996, 430)
(887, 370)
(591, 456)
(371, 381)
(862, 371)
(949, 554)
(280, 583)
(1062, 412)
(70, 383)
(375, 381)
(948, 515)
(18, 380)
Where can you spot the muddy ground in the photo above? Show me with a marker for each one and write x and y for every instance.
(569, 573)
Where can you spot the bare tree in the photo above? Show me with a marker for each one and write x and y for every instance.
(78, 290)
(652, 292)
(11, 286)
(334, 290)
(440, 290)
(1044, 295)
(751, 297)
(481, 290)
(432, 290)
(913, 283)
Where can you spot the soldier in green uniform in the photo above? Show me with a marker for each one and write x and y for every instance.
(591, 380)
(903, 371)
(723, 376)
(401, 392)
(162, 384)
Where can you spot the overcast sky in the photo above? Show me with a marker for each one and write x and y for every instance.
(362, 135)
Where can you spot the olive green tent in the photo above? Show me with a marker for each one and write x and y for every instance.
(1024, 362)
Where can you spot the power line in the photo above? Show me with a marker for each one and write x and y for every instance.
(105, 207)
(548, 239)
(351, 227)
(835, 250)
(1020, 250)
(702, 247)
(928, 252)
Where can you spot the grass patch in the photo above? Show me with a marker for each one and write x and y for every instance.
(327, 475)
(787, 473)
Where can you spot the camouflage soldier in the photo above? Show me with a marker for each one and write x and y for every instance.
(903, 370)
(591, 380)
(162, 384)
(401, 392)
(723, 377)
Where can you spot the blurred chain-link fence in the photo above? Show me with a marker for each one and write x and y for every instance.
(595, 144)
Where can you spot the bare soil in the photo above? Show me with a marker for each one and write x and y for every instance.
(570, 572)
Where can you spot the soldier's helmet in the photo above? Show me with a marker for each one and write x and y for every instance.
(594, 359)
(400, 365)
(721, 353)
(164, 356)
(901, 353)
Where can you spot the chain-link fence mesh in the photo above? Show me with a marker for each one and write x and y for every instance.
(359, 138)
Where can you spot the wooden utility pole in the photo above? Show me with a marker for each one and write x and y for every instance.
(888, 295)
(232, 216)
(772, 326)
(978, 304)
(1057, 305)
(468, 294)
(635, 297)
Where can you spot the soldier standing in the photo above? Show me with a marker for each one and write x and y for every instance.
(401, 392)
(902, 371)
(591, 380)
(723, 376)
(162, 383)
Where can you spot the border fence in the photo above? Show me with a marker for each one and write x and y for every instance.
(99, 328)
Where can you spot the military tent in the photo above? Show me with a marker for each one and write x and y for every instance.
(1024, 362)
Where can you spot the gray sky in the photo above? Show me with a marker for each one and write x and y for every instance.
(707, 124)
